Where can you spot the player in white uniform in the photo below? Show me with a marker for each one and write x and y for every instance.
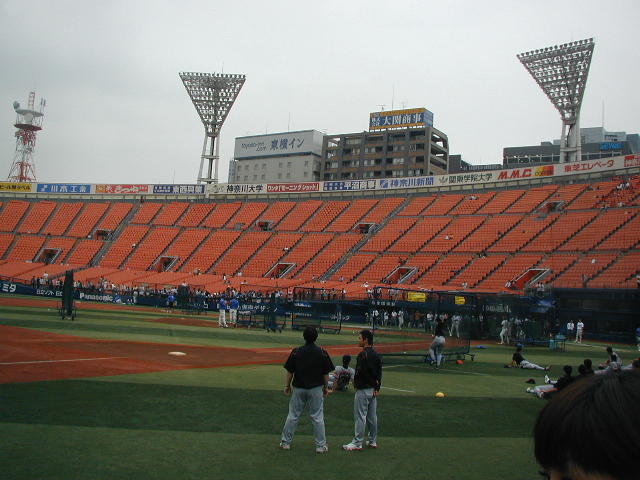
(342, 376)
(579, 330)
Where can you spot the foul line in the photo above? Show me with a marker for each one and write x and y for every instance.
(398, 390)
(59, 361)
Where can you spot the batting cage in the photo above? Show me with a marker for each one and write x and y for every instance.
(404, 322)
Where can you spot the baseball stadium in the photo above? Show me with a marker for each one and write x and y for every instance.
(119, 358)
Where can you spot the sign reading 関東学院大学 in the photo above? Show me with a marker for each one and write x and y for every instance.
(413, 117)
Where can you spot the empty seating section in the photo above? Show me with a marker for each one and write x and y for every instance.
(210, 251)
(6, 239)
(278, 245)
(353, 266)
(472, 203)
(62, 244)
(196, 214)
(443, 204)
(559, 231)
(421, 233)
(567, 193)
(501, 201)
(621, 274)
(579, 274)
(276, 212)
(185, 244)
(476, 271)
(522, 233)
(395, 228)
(624, 238)
(383, 209)
(307, 248)
(299, 215)
(146, 212)
(556, 264)
(442, 271)
(509, 271)
(246, 246)
(487, 233)
(352, 215)
(596, 231)
(247, 215)
(330, 255)
(453, 234)
(380, 268)
(593, 196)
(90, 215)
(124, 245)
(62, 218)
(324, 216)
(26, 247)
(472, 240)
(12, 214)
(221, 215)
(422, 263)
(151, 247)
(84, 252)
(170, 213)
(34, 220)
(115, 216)
(532, 199)
(417, 205)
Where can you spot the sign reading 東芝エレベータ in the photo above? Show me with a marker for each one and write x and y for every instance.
(412, 117)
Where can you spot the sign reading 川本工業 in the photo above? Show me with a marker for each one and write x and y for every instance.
(413, 117)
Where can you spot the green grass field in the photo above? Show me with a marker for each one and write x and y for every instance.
(226, 422)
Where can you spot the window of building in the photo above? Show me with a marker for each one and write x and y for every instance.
(331, 153)
(264, 166)
(334, 164)
(306, 163)
(288, 174)
(246, 178)
(346, 163)
(374, 138)
(397, 173)
(368, 162)
(398, 161)
(288, 164)
(279, 164)
(419, 146)
(346, 151)
(255, 177)
(262, 177)
(420, 159)
(368, 174)
(389, 161)
(255, 166)
(305, 174)
(279, 175)
(246, 167)
(353, 141)
(355, 151)
(379, 149)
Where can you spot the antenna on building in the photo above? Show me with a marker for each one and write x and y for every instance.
(28, 123)
(213, 95)
(381, 107)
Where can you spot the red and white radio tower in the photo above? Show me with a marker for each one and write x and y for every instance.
(28, 123)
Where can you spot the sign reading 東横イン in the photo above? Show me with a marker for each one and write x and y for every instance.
(413, 117)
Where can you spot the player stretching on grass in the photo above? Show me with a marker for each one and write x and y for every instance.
(367, 384)
(518, 361)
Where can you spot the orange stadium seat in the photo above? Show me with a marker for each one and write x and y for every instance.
(11, 215)
(87, 220)
(170, 213)
(196, 213)
(39, 213)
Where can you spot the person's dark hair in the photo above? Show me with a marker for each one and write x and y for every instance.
(582, 369)
(568, 369)
(592, 426)
(346, 359)
(519, 348)
(310, 334)
(636, 363)
(367, 335)
(588, 363)
(609, 350)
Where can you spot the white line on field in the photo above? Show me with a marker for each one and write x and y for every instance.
(398, 390)
(59, 361)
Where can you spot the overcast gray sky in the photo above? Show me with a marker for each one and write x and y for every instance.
(117, 111)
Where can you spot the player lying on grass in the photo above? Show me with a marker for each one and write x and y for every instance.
(518, 361)
(544, 391)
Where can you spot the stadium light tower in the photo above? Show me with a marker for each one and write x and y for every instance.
(561, 71)
(28, 123)
(213, 95)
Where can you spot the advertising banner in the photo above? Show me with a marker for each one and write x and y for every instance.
(349, 185)
(587, 166)
(632, 161)
(63, 188)
(278, 144)
(416, 297)
(413, 117)
(178, 189)
(15, 187)
(293, 187)
(120, 189)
